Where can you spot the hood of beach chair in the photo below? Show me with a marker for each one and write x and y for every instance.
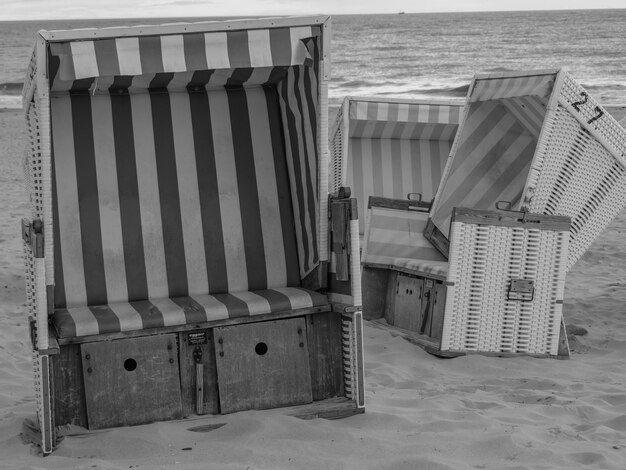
(393, 147)
(144, 118)
(540, 142)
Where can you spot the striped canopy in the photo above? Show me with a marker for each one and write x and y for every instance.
(180, 60)
(495, 146)
(185, 163)
(397, 147)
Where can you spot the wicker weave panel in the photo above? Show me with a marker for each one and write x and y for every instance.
(336, 155)
(483, 259)
(602, 123)
(31, 72)
(579, 178)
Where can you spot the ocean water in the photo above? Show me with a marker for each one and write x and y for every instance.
(418, 55)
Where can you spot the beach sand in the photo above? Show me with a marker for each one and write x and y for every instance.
(422, 412)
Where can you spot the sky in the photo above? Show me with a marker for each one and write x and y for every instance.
(82, 9)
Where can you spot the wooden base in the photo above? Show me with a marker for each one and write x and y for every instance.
(415, 303)
(315, 338)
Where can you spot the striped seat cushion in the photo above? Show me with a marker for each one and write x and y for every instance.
(145, 314)
(395, 238)
(436, 269)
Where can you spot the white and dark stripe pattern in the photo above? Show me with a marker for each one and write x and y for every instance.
(397, 148)
(379, 119)
(492, 157)
(178, 53)
(298, 105)
(392, 168)
(395, 238)
(494, 87)
(170, 194)
(178, 311)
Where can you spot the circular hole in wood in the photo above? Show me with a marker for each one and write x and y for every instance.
(130, 365)
(260, 349)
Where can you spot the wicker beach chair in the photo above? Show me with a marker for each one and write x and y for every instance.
(536, 145)
(392, 148)
(539, 141)
(500, 293)
(180, 256)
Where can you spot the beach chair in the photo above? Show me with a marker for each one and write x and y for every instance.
(540, 142)
(183, 254)
(534, 145)
(392, 148)
(500, 293)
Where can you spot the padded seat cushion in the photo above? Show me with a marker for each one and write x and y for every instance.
(421, 268)
(395, 239)
(155, 313)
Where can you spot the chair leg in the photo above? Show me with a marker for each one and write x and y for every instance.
(352, 344)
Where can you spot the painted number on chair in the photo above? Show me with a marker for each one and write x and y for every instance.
(577, 104)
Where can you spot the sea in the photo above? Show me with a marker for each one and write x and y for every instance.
(425, 55)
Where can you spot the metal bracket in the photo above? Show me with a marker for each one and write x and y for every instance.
(197, 355)
(32, 234)
(522, 289)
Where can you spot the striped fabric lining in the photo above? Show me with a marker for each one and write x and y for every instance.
(393, 168)
(397, 148)
(396, 238)
(381, 114)
(402, 130)
(299, 104)
(497, 88)
(178, 311)
(148, 55)
(179, 81)
(492, 159)
(170, 194)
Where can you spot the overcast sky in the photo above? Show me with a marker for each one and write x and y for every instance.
(61, 9)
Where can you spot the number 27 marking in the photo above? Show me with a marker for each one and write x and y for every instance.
(576, 105)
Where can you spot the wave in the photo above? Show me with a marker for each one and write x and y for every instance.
(359, 84)
(11, 88)
(499, 69)
(460, 91)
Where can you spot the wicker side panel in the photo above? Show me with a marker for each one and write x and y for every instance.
(324, 166)
(579, 178)
(595, 118)
(336, 154)
(478, 314)
(34, 187)
(31, 72)
(33, 164)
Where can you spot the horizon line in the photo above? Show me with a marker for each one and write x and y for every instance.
(403, 12)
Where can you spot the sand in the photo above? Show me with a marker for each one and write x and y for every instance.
(422, 412)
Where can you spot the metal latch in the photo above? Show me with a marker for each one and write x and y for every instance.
(522, 289)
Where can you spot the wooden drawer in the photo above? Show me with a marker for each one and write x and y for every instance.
(131, 381)
(263, 365)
